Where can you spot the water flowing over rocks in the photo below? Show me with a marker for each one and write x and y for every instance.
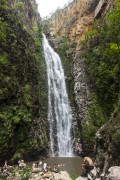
(59, 112)
(73, 22)
(26, 134)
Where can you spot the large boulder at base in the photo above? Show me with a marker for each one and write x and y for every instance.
(114, 173)
(62, 175)
(82, 178)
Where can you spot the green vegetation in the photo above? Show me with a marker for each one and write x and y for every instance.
(109, 141)
(73, 176)
(102, 59)
(2, 30)
(19, 5)
(3, 178)
(23, 92)
(3, 4)
(25, 173)
(95, 120)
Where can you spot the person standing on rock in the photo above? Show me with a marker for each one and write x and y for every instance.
(6, 165)
(22, 164)
(40, 165)
(45, 166)
(33, 166)
(87, 165)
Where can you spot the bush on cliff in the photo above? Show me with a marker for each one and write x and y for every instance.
(102, 59)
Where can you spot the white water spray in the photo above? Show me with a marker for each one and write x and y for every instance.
(59, 113)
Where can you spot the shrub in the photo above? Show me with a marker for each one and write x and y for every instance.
(19, 5)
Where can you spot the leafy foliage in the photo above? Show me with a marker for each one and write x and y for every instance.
(73, 176)
(19, 5)
(22, 78)
(102, 59)
(25, 173)
(96, 118)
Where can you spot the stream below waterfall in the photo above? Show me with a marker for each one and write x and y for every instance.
(73, 165)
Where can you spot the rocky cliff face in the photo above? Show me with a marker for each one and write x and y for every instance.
(74, 20)
(27, 11)
(23, 116)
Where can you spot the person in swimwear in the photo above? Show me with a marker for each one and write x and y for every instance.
(87, 165)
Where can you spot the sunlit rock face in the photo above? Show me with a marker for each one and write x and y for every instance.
(75, 19)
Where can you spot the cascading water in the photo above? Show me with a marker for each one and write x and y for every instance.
(59, 113)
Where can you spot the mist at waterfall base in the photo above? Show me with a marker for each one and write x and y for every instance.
(59, 112)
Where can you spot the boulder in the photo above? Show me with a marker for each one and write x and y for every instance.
(82, 178)
(62, 175)
(114, 173)
(36, 170)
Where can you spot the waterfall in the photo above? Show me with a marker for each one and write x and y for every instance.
(59, 112)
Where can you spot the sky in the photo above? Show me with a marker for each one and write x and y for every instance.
(46, 7)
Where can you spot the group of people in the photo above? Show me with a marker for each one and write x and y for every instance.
(87, 166)
(40, 165)
(45, 167)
